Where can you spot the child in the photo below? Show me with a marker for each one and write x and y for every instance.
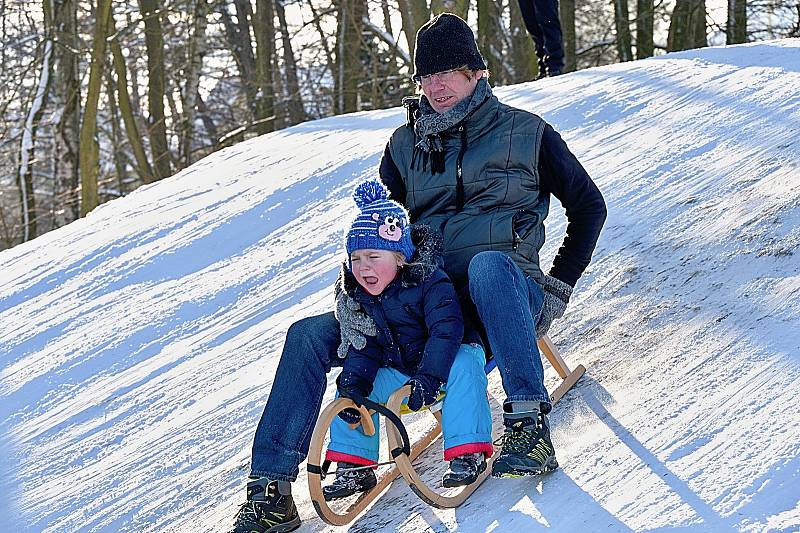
(419, 332)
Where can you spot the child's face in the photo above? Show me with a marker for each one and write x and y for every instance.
(374, 269)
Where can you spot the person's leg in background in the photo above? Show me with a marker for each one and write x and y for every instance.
(544, 26)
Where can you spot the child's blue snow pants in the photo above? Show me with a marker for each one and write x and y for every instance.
(466, 419)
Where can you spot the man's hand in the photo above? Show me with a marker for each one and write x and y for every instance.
(556, 298)
(354, 324)
(424, 390)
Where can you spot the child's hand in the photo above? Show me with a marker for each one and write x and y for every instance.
(424, 390)
(350, 415)
(355, 325)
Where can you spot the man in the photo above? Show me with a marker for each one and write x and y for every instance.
(481, 173)
(541, 20)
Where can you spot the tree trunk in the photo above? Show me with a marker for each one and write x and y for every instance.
(116, 139)
(413, 14)
(126, 110)
(736, 32)
(567, 14)
(348, 53)
(34, 115)
(323, 41)
(281, 115)
(698, 24)
(195, 52)
(644, 29)
(687, 28)
(387, 17)
(459, 7)
(154, 42)
(264, 30)
(623, 30)
(490, 43)
(297, 113)
(523, 55)
(238, 36)
(68, 94)
(208, 123)
(89, 158)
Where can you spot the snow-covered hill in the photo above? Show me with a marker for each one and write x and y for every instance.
(138, 345)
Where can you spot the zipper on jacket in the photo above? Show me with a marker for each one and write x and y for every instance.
(459, 178)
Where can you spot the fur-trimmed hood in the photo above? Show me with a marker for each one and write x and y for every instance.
(426, 260)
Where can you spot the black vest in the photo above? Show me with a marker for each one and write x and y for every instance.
(488, 197)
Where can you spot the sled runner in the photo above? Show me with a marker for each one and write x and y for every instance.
(401, 452)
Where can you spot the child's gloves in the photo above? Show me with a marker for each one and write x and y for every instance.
(354, 323)
(556, 298)
(424, 390)
(352, 386)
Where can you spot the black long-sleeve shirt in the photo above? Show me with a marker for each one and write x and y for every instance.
(562, 175)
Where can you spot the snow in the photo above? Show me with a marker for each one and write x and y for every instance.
(138, 345)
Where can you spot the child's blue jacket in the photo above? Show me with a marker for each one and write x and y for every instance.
(417, 316)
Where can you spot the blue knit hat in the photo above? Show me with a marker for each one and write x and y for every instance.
(381, 225)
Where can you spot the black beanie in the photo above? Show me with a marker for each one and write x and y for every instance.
(444, 43)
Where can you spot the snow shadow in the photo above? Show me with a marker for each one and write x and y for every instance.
(595, 396)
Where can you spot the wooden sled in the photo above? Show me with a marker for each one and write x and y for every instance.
(403, 462)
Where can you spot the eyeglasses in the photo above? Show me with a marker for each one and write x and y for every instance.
(445, 76)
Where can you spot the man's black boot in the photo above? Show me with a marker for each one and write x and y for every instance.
(527, 448)
(269, 508)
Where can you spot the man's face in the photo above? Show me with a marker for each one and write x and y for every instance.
(445, 89)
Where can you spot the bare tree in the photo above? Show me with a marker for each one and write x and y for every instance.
(687, 27)
(490, 35)
(238, 36)
(194, 60)
(154, 41)
(264, 30)
(117, 143)
(623, 30)
(523, 53)
(413, 14)
(348, 53)
(294, 105)
(644, 28)
(126, 110)
(459, 7)
(68, 98)
(736, 31)
(89, 155)
(34, 115)
(567, 14)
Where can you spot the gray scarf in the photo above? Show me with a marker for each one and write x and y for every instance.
(430, 124)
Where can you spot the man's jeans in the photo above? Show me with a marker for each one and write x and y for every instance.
(284, 432)
(509, 303)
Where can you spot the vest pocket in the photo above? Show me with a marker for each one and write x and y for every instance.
(523, 222)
